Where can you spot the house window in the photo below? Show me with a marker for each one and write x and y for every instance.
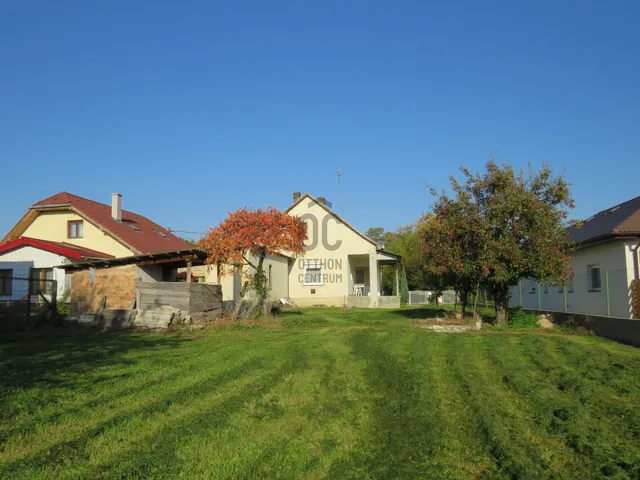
(568, 286)
(313, 272)
(6, 281)
(593, 277)
(41, 280)
(74, 228)
(360, 276)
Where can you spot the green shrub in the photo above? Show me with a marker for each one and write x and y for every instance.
(519, 319)
(63, 305)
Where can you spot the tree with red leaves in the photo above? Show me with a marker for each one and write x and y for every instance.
(246, 237)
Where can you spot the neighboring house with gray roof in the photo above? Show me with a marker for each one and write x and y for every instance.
(604, 263)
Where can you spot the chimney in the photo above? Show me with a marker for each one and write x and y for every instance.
(322, 200)
(296, 196)
(116, 207)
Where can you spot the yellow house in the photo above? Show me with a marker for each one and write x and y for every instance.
(341, 266)
(66, 229)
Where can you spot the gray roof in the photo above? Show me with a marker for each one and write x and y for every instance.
(616, 221)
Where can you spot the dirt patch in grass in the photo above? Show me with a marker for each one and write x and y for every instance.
(447, 320)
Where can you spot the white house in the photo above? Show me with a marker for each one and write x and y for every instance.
(26, 266)
(604, 264)
(341, 266)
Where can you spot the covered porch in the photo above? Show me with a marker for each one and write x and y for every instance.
(365, 287)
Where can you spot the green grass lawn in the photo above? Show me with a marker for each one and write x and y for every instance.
(319, 394)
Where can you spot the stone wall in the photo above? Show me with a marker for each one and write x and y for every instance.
(118, 284)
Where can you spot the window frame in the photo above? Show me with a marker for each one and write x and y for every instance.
(44, 285)
(75, 223)
(315, 265)
(590, 286)
(6, 282)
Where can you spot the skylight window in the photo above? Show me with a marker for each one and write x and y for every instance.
(614, 208)
(161, 234)
(132, 225)
(590, 218)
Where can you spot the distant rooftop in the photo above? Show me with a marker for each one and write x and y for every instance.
(617, 221)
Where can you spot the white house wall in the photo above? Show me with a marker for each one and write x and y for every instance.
(613, 257)
(22, 259)
(230, 279)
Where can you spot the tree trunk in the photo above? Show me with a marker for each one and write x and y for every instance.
(238, 305)
(464, 300)
(501, 298)
(261, 287)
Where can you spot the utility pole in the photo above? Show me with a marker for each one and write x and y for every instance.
(340, 188)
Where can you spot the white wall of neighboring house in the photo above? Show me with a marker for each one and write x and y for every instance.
(276, 268)
(22, 259)
(614, 257)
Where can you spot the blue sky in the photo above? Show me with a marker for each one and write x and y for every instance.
(193, 109)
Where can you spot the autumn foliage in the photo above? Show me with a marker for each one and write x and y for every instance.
(247, 236)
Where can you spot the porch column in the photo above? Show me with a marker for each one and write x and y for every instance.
(374, 280)
(188, 271)
(397, 279)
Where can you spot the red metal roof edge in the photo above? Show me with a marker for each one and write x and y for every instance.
(71, 251)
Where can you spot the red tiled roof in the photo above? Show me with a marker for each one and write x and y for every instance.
(61, 248)
(147, 237)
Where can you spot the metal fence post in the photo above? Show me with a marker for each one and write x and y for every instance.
(520, 287)
(564, 291)
(54, 300)
(29, 299)
(606, 285)
(539, 299)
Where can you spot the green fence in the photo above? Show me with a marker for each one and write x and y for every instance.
(596, 292)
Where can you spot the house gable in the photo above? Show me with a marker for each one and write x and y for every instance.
(327, 232)
(52, 226)
(133, 235)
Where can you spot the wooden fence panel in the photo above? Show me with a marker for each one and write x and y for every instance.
(189, 297)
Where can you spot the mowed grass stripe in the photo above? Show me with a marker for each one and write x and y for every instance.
(597, 423)
(461, 452)
(538, 395)
(405, 432)
(213, 374)
(518, 448)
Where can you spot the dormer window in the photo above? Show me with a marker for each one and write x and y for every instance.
(75, 228)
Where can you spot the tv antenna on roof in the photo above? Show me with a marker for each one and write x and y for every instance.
(340, 188)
